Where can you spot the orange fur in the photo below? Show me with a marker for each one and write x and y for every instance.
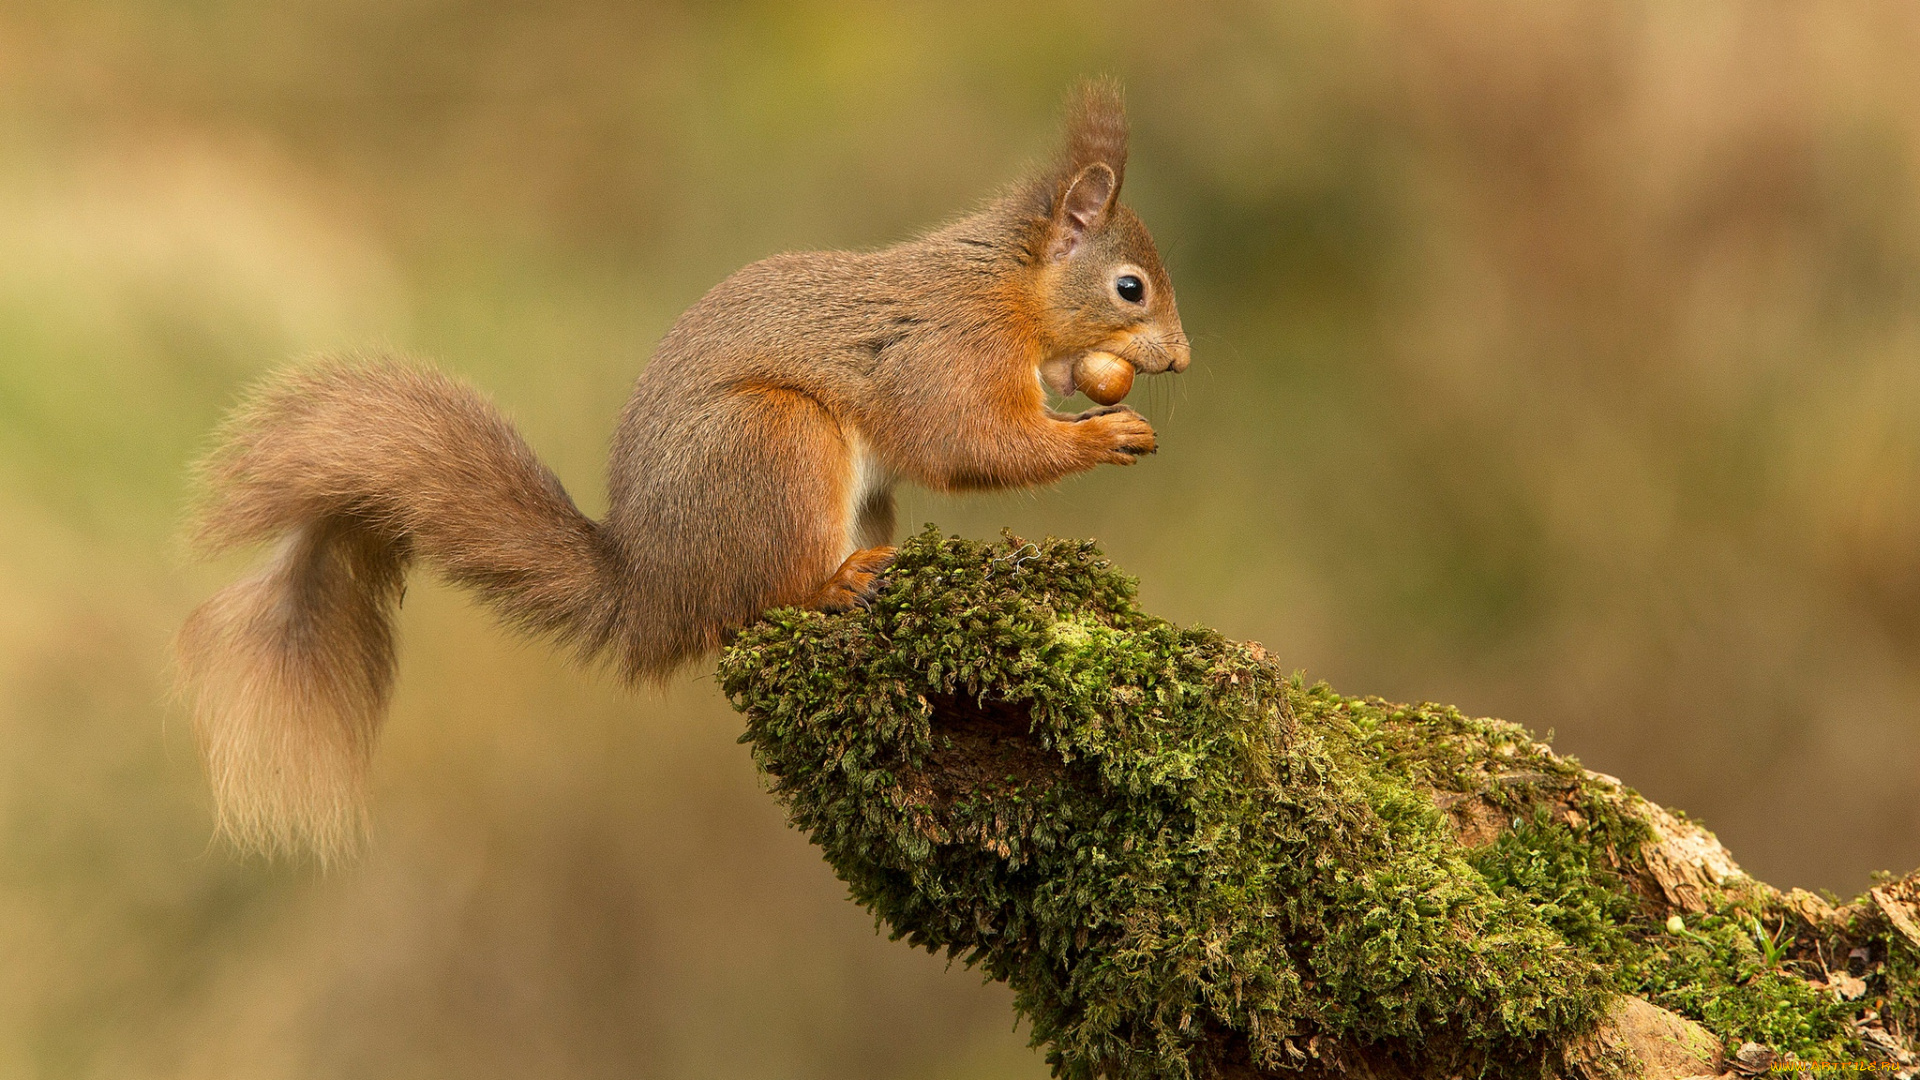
(854, 582)
(752, 468)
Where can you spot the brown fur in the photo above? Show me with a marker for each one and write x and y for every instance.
(752, 468)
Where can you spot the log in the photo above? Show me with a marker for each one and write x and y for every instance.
(1187, 861)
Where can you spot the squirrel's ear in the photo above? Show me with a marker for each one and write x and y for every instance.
(1077, 195)
(1083, 208)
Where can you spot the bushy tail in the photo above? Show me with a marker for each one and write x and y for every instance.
(357, 467)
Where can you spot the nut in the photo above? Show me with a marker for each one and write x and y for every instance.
(1103, 377)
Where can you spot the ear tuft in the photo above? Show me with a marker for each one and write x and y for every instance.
(1097, 129)
(1076, 194)
(1082, 189)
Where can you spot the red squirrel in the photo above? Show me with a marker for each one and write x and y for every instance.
(753, 468)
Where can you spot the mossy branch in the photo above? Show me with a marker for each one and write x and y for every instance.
(1187, 862)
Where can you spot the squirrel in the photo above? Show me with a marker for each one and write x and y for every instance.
(752, 468)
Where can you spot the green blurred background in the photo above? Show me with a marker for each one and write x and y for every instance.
(1559, 361)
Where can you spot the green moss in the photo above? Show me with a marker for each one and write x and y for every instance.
(1181, 857)
(1560, 871)
(1717, 970)
(1898, 979)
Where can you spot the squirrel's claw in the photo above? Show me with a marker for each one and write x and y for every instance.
(1121, 434)
(855, 583)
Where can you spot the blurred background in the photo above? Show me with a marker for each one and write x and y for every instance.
(1558, 361)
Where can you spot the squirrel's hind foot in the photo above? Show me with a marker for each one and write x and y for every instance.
(855, 582)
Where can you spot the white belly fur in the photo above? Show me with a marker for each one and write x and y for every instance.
(869, 478)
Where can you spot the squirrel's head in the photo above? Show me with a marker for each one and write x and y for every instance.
(1101, 278)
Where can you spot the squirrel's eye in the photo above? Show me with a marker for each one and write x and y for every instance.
(1130, 288)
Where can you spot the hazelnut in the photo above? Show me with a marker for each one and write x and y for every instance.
(1103, 377)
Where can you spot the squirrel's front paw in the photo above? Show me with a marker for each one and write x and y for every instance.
(1121, 434)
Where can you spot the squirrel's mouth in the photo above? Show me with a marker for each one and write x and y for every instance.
(1147, 354)
(1152, 353)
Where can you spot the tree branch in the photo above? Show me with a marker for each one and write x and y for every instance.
(1188, 862)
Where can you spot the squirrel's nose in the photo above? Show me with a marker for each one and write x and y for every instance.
(1181, 357)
